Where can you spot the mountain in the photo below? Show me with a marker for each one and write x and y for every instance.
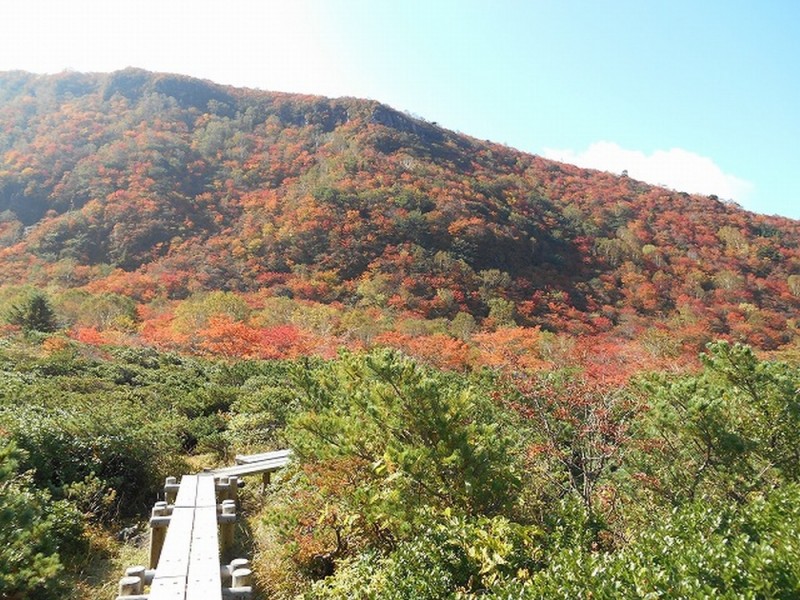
(155, 188)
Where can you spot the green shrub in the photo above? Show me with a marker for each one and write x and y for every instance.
(425, 437)
(36, 534)
(449, 557)
(728, 430)
(705, 549)
(117, 444)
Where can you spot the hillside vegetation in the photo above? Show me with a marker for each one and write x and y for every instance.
(501, 376)
(133, 196)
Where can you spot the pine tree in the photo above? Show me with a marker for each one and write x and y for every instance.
(35, 314)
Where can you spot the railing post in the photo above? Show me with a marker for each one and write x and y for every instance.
(226, 571)
(227, 524)
(171, 489)
(241, 582)
(139, 572)
(223, 486)
(239, 563)
(129, 586)
(241, 578)
(158, 531)
(233, 491)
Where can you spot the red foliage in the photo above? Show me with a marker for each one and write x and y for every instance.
(88, 335)
(311, 198)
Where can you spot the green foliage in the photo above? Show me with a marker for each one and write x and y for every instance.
(194, 313)
(116, 447)
(413, 483)
(102, 433)
(401, 468)
(501, 312)
(452, 557)
(693, 496)
(423, 436)
(728, 430)
(34, 314)
(704, 549)
(260, 414)
(101, 311)
(35, 533)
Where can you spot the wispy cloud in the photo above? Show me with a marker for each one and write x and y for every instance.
(675, 168)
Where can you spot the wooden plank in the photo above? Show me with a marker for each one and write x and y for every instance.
(203, 581)
(168, 588)
(187, 493)
(189, 567)
(252, 468)
(169, 582)
(174, 560)
(242, 459)
(206, 496)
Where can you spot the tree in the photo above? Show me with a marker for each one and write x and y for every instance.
(386, 447)
(580, 427)
(424, 436)
(728, 431)
(35, 314)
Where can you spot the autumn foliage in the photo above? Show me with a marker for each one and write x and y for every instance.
(160, 189)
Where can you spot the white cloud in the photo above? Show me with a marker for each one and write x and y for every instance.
(675, 168)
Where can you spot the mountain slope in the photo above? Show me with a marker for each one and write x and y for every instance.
(161, 186)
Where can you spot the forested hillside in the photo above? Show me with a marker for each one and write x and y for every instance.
(130, 196)
(501, 376)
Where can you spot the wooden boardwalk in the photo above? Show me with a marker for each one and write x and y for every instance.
(252, 464)
(191, 529)
(246, 459)
(189, 562)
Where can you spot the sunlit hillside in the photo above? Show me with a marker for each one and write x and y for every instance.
(130, 196)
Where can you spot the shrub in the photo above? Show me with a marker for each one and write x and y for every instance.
(705, 549)
(118, 445)
(35, 532)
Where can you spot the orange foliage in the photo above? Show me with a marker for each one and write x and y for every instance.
(156, 329)
(137, 285)
(510, 348)
(439, 350)
(282, 341)
(55, 344)
(226, 337)
(147, 186)
(223, 336)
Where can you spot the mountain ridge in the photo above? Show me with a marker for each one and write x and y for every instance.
(164, 186)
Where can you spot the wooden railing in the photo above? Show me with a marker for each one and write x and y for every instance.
(190, 530)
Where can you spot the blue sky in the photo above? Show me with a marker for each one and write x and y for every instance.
(699, 96)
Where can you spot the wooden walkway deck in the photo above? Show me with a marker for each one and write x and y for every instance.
(246, 459)
(189, 564)
(269, 462)
(188, 535)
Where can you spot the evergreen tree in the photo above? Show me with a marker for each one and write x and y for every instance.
(35, 314)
